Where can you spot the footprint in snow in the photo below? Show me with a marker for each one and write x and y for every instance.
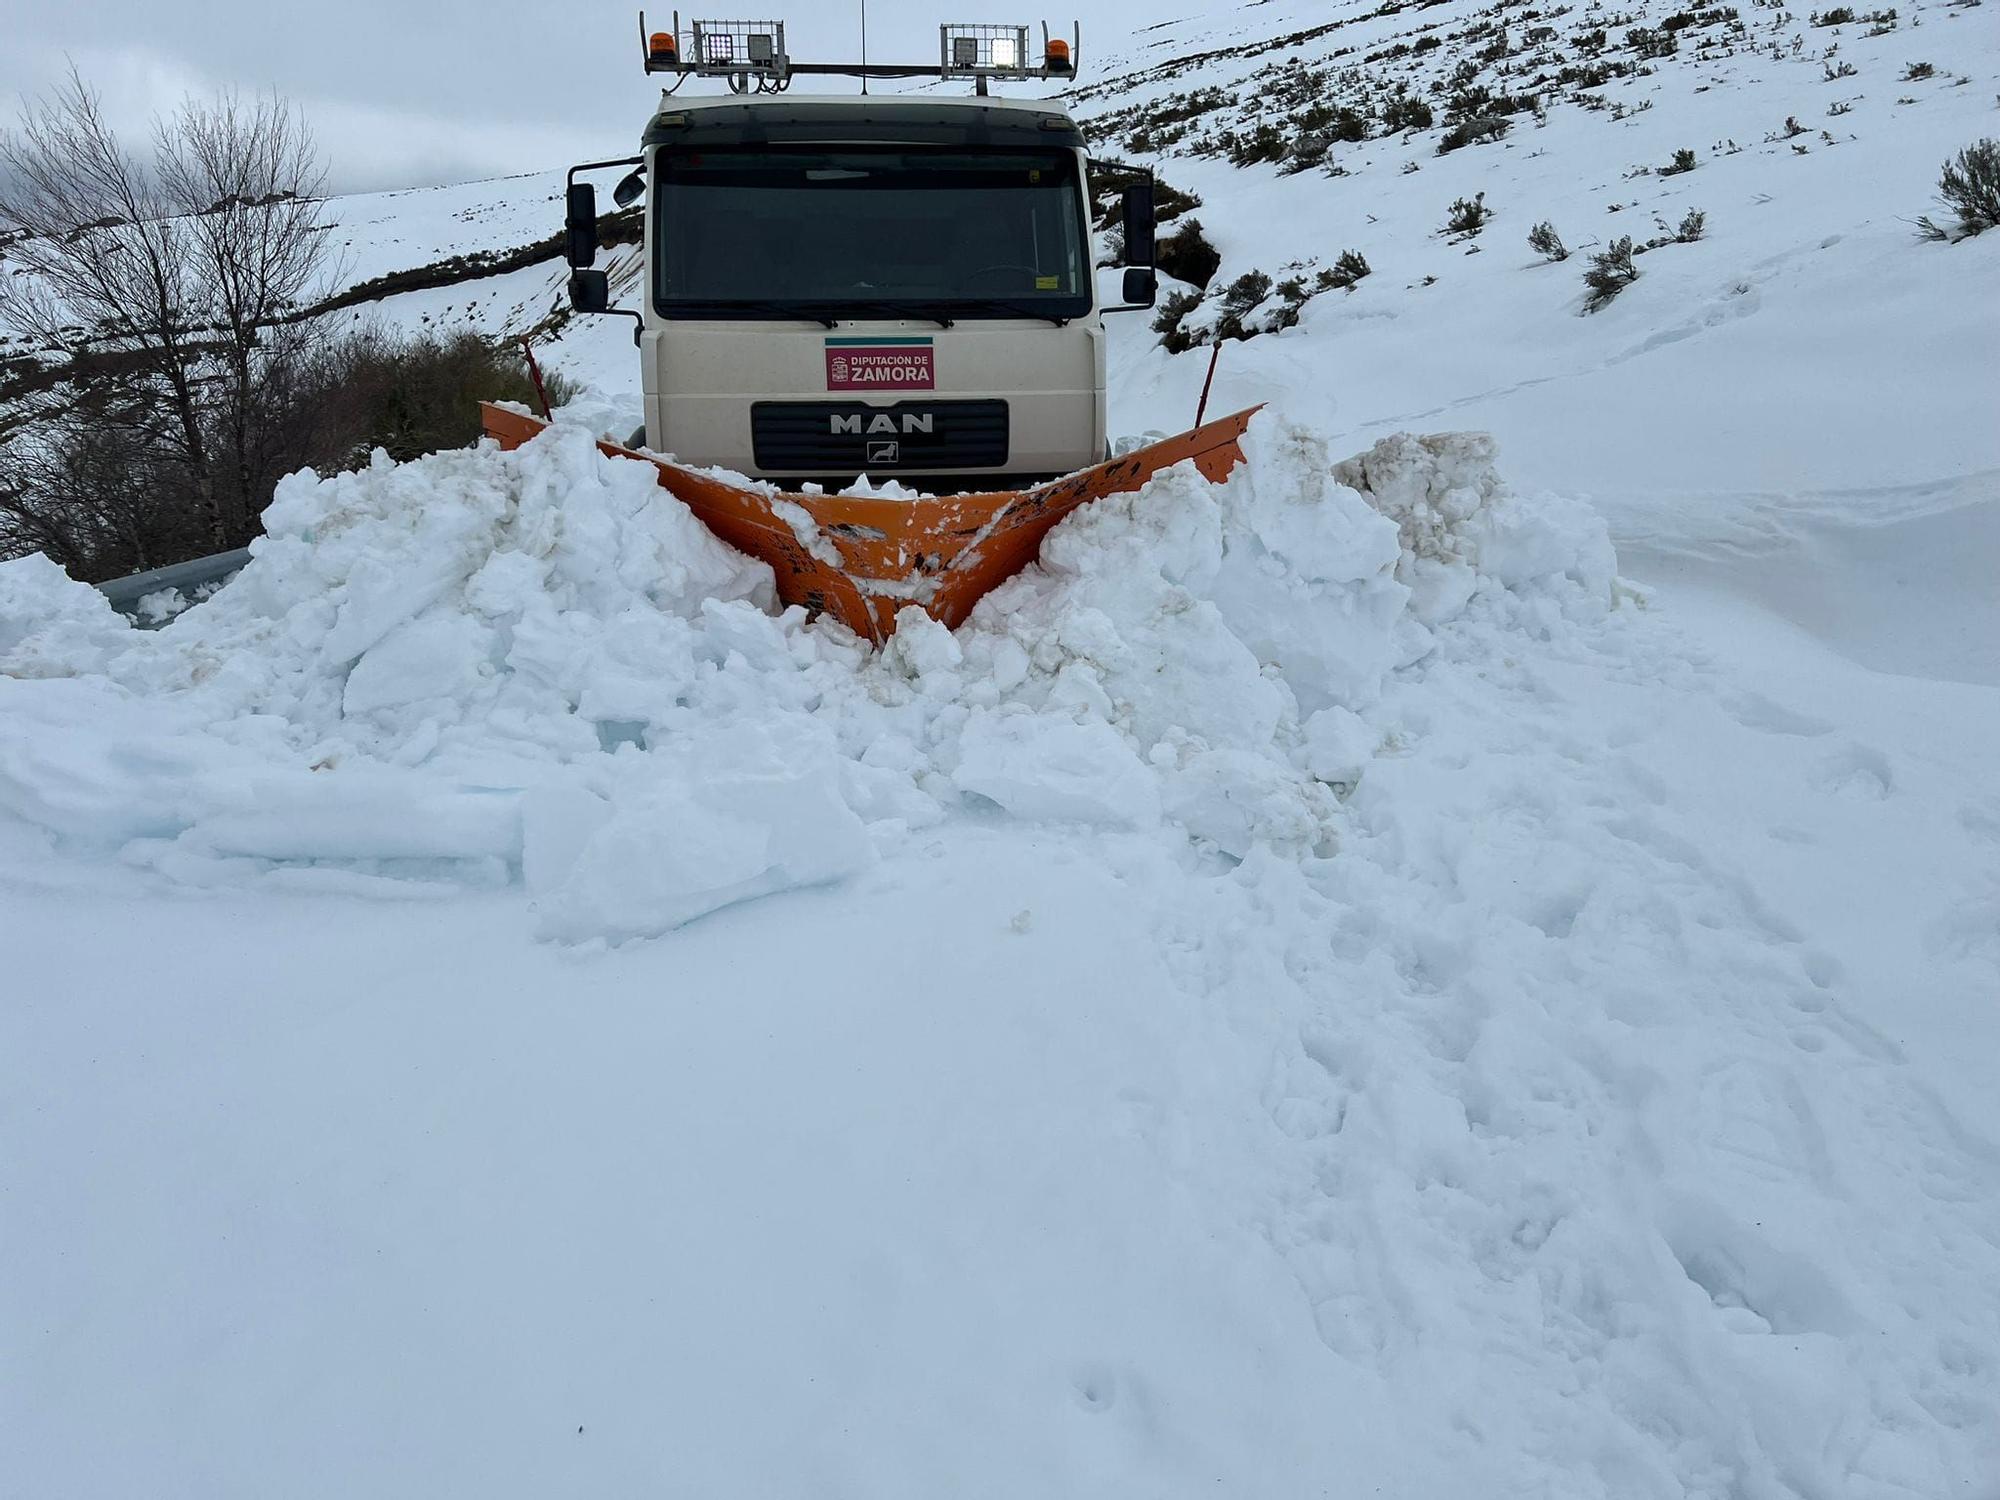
(1858, 773)
(1755, 711)
(1094, 1386)
(1981, 819)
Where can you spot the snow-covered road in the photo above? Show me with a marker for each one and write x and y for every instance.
(1529, 1038)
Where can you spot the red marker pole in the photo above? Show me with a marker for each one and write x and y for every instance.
(542, 391)
(1214, 355)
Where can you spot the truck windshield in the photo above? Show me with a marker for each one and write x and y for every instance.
(974, 234)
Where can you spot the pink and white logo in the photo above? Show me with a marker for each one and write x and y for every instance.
(887, 365)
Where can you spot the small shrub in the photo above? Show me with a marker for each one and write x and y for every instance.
(1840, 15)
(1344, 272)
(1652, 44)
(1843, 70)
(1611, 271)
(1186, 255)
(1692, 225)
(413, 394)
(1970, 187)
(1683, 162)
(1239, 299)
(1544, 241)
(1406, 112)
(1265, 143)
(1167, 321)
(1467, 215)
(1293, 295)
(1916, 72)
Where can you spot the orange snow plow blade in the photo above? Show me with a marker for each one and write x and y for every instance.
(871, 557)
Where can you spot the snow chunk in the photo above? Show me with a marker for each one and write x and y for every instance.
(744, 821)
(1051, 770)
(49, 613)
(436, 657)
(1458, 524)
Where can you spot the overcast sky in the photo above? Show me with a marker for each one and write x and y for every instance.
(413, 92)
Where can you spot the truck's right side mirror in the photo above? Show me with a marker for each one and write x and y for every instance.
(1142, 286)
(590, 291)
(580, 226)
(1138, 206)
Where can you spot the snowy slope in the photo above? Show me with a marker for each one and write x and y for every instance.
(1807, 267)
(1320, 988)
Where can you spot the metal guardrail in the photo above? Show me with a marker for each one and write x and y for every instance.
(125, 593)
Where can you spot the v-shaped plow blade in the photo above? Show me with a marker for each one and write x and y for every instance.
(861, 559)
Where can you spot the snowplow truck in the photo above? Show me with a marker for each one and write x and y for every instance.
(839, 288)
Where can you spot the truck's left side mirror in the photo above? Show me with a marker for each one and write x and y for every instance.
(1142, 286)
(580, 225)
(631, 187)
(1138, 206)
(590, 291)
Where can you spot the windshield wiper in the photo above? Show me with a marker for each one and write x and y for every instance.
(897, 310)
(1018, 309)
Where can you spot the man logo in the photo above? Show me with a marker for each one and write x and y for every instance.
(885, 453)
(907, 423)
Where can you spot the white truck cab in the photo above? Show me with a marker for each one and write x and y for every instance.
(902, 286)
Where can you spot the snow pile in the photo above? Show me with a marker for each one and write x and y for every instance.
(489, 666)
(1508, 1112)
(42, 608)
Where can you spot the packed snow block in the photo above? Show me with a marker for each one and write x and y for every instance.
(1457, 524)
(100, 767)
(557, 821)
(927, 652)
(50, 614)
(360, 814)
(1116, 622)
(1338, 744)
(1524, 541)
(1308, 577)
(1237, 801)
(438, 657)
(1055, 771)
(681, 846)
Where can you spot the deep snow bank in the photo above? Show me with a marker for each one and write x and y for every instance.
(485, 666)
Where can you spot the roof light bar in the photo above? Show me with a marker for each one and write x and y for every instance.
(724, 47)
(982, 51)
(751, 55)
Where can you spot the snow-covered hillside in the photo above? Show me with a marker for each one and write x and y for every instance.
(1436, 967)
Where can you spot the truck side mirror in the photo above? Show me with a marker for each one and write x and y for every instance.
(590, 291)
(1138, 207)
(630, 186)
(580, 226)
(1142, 286)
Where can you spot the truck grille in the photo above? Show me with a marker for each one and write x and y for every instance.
(848, 437)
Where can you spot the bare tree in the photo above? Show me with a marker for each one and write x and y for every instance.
(246, 180)
(170, 294)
